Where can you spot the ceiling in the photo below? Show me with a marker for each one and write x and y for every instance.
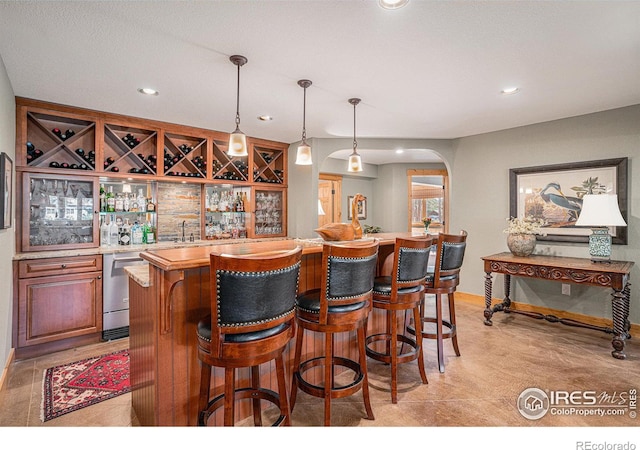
(433, 69)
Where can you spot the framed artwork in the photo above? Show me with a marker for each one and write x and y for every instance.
(554, 193)
(6, 181)
(361, 208)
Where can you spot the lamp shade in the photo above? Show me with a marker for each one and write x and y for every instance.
(237, 144)
(600, 211)
(355, 163)
(303, 157)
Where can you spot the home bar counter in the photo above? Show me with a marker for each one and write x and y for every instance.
(170, 296)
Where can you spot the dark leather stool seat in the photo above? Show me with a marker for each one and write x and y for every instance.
(444, 281)
(251, 322)
(402, 291)
(342, 304)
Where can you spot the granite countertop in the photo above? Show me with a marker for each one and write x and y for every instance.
(104, 250)
(139, 274)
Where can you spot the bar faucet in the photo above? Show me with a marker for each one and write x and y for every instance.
(183, 224)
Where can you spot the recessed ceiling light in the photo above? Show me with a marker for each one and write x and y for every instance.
(510, 90)
(399, 151)
(392, 4)
(265, 118)
(148, 91)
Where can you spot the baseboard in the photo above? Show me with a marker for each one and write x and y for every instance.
(5, 370)
(591, 320)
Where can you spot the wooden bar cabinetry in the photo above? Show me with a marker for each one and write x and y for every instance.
(59, 301)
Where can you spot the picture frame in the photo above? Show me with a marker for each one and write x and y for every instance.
(554, 193)
(362, 208)
(6, 193)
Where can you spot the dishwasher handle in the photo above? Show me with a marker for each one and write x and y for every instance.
(127, 258)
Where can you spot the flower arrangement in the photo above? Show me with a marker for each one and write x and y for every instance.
(527, 225)
(426, 221)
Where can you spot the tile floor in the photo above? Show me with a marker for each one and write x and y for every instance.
(478, 389)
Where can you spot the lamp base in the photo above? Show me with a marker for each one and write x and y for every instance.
(600, 245)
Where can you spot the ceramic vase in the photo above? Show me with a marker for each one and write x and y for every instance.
(521, 244)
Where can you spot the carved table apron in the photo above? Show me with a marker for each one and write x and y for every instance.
(614, 274)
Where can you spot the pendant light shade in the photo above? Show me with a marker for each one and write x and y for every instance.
(237, 139)
(303, 157)
(355, 162)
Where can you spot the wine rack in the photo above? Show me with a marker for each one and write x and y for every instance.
(225, 167)
(268, 165)
(129, 150)
(58, 142)
(185, 156)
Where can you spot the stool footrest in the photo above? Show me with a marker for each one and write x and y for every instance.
(386, 357)
(445, 334)
(242, 394)
(336, 391)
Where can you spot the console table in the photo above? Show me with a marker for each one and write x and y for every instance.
(614, 275)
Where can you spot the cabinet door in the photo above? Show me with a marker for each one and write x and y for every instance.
(60, 307)
(59, 212)
(270, 213)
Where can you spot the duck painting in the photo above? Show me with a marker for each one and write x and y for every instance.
(573, 205)
(343, 231)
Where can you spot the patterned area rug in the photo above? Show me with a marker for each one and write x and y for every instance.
(74, 386)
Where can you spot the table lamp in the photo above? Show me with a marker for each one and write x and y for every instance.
(600, 212)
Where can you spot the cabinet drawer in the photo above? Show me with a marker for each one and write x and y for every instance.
(59, 266)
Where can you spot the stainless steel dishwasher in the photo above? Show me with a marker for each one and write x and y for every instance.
(115, 294)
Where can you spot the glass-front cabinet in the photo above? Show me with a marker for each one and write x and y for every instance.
(127, 212)
(227, 211)
(60, 212)
(269, 213)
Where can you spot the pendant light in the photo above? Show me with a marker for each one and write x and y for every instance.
(303, 157)
(237, 139)
(355, 162)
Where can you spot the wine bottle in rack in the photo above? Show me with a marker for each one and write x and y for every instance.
(57, 132)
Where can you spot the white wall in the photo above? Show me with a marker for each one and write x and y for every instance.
(7, 236)
(480, 201)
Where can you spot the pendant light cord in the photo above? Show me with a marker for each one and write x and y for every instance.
(238, 100)
(355, 143)
(304, 117)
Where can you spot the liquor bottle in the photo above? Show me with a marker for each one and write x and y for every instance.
(111, 200)
(104, 232)
(103, 199)
(142, 202)
(119, 203)
(113, 231)
(136, 234)
(149, 233)
(245, 201)
(207, 202)
(151, 207)
(126, 202)
(124, 233)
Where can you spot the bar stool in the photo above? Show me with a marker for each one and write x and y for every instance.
(403, 291)
(444, 281)
(341, 304)
(251, 322)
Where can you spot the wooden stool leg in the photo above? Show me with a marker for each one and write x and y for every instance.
(419, 341)
(363, 366)
(439, 332)
(328, 377)
(229, 396)
(205, 383)
(296, 366)
(282, 389)
(393, 318)
(452, 321)
(255, 384)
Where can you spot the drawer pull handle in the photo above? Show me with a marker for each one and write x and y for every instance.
(64, 266)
